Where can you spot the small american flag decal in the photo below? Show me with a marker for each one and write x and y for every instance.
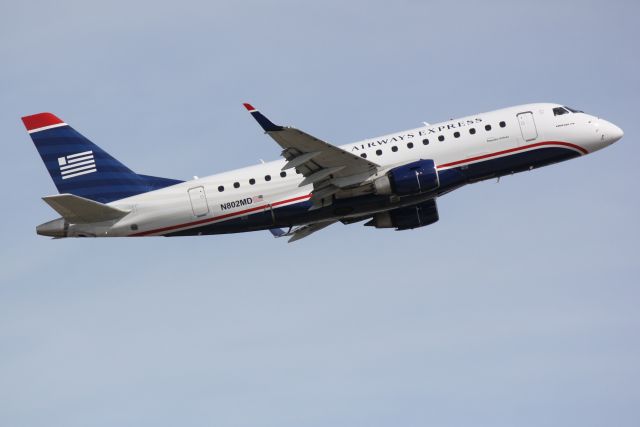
(77, 164)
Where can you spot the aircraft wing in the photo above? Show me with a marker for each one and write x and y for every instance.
(324, 165)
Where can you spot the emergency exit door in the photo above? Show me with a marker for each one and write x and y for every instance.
(527, 126)
(198, 201)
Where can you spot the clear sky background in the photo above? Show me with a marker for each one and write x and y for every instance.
(520, 307)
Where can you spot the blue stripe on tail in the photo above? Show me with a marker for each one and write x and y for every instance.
(78, 166)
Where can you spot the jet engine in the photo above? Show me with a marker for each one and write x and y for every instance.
(406, 218)
(412, 178)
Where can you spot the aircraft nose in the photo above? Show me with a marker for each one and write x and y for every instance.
(617, 133)
(612, 132)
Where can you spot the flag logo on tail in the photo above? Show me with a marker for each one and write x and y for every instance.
(77, 164)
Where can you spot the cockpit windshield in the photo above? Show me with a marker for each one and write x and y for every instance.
(573, 110)
(558, 111)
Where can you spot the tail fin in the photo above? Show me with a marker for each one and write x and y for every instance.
(79, 167)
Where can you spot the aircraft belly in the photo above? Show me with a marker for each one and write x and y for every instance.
(515, 163)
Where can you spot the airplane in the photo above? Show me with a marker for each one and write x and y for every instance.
(391, 181)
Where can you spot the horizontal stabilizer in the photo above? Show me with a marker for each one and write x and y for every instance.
(76, 209)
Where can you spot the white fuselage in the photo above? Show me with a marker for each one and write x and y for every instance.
(261, 188)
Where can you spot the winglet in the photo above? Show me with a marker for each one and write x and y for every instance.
(266, 124)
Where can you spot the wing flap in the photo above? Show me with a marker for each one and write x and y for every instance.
(320, 174)
(299, 159)
(306, 230)
(295, 140)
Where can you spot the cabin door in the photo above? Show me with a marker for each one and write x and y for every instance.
(527, 126)
(198, 201)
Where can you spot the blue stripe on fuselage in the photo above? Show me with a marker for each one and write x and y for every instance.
(450, 179)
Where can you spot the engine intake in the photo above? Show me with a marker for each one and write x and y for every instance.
(412, 178)
(425, 213)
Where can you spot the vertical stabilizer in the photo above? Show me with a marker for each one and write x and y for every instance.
(79, 167)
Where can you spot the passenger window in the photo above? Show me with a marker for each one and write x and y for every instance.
(472, 131)
(267, 178)
(394, 148)
(502, 124)
(410, 145)
(456, 134)
(487, 128)
(425, 141)
(558, 111)
(441, 138)
(221, 188)
(236, 185)
(379, 152)
(283, 174)
(252, 181)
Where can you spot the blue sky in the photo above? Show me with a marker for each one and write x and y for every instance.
(518, 308)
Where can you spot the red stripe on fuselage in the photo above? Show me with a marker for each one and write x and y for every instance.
(219, 217)
(513, 150)
(295, 199)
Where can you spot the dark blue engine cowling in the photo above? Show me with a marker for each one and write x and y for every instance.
(408, 217)
(413, 178)
(414, 216)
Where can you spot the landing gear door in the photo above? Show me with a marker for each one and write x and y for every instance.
(198, 201)
(527, 126)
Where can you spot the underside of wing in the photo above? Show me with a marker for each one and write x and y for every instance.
(302, 231)
(399, 218)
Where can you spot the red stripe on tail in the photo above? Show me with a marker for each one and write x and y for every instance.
(40, 120)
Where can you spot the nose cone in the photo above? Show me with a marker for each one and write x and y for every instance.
(611, 132)
(617, 133)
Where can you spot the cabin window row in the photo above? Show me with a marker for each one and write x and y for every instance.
(441, 138)
(252, 181)
(394, 148)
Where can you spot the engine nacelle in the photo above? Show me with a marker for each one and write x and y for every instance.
(412, 178)
(425, 213)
